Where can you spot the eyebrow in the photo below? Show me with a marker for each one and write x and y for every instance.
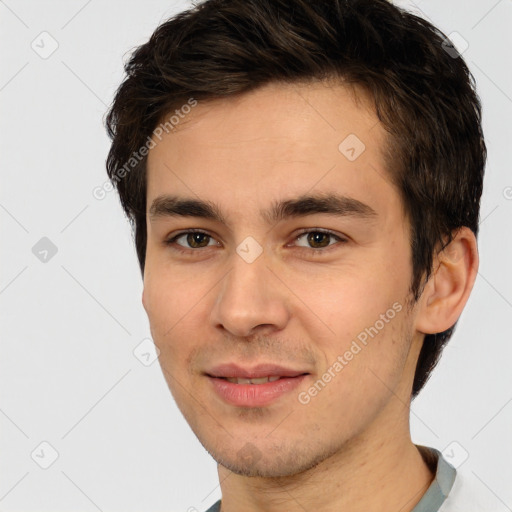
(332, 204)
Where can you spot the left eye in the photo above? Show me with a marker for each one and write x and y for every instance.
(319, 239)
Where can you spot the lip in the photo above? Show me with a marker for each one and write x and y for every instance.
(254, 395)
(255, 372)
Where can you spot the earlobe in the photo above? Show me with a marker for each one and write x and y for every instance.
(450, 284)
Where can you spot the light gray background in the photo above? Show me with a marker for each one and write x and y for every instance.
(69, 376)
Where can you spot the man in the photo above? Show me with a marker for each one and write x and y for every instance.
(304, 181)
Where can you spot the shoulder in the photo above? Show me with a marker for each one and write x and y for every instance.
(470, 494)
(215, 507)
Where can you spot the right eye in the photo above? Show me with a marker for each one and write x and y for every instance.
(194, 238)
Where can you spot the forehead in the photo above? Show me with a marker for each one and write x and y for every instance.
(280, 140)
(275, 112)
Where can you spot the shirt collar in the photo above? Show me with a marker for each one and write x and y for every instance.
(441, 485)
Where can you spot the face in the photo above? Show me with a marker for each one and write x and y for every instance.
(277, 247)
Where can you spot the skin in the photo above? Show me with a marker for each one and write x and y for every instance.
(349, 447)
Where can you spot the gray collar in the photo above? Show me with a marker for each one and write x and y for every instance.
(440, 486)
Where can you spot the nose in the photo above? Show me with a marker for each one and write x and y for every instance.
(250, 298)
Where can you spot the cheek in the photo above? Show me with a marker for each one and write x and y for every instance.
(168, 292)
(365, 312)
(163, 305)
(365, 377)
(173, 302)
(351, 300)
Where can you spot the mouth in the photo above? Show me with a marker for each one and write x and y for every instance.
(260, 371)
(261, 380)
(253, 387)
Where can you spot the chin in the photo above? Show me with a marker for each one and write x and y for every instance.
(270, 461)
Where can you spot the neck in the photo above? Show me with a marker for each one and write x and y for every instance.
(372, 473)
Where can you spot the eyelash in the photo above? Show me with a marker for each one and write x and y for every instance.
(172, 241)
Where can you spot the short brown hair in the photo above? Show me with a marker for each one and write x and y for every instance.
(423, 93)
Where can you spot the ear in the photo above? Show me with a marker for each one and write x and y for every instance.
(446, 292)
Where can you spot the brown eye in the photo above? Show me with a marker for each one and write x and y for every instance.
(319, 239)
(196, 240)
(193, 240)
